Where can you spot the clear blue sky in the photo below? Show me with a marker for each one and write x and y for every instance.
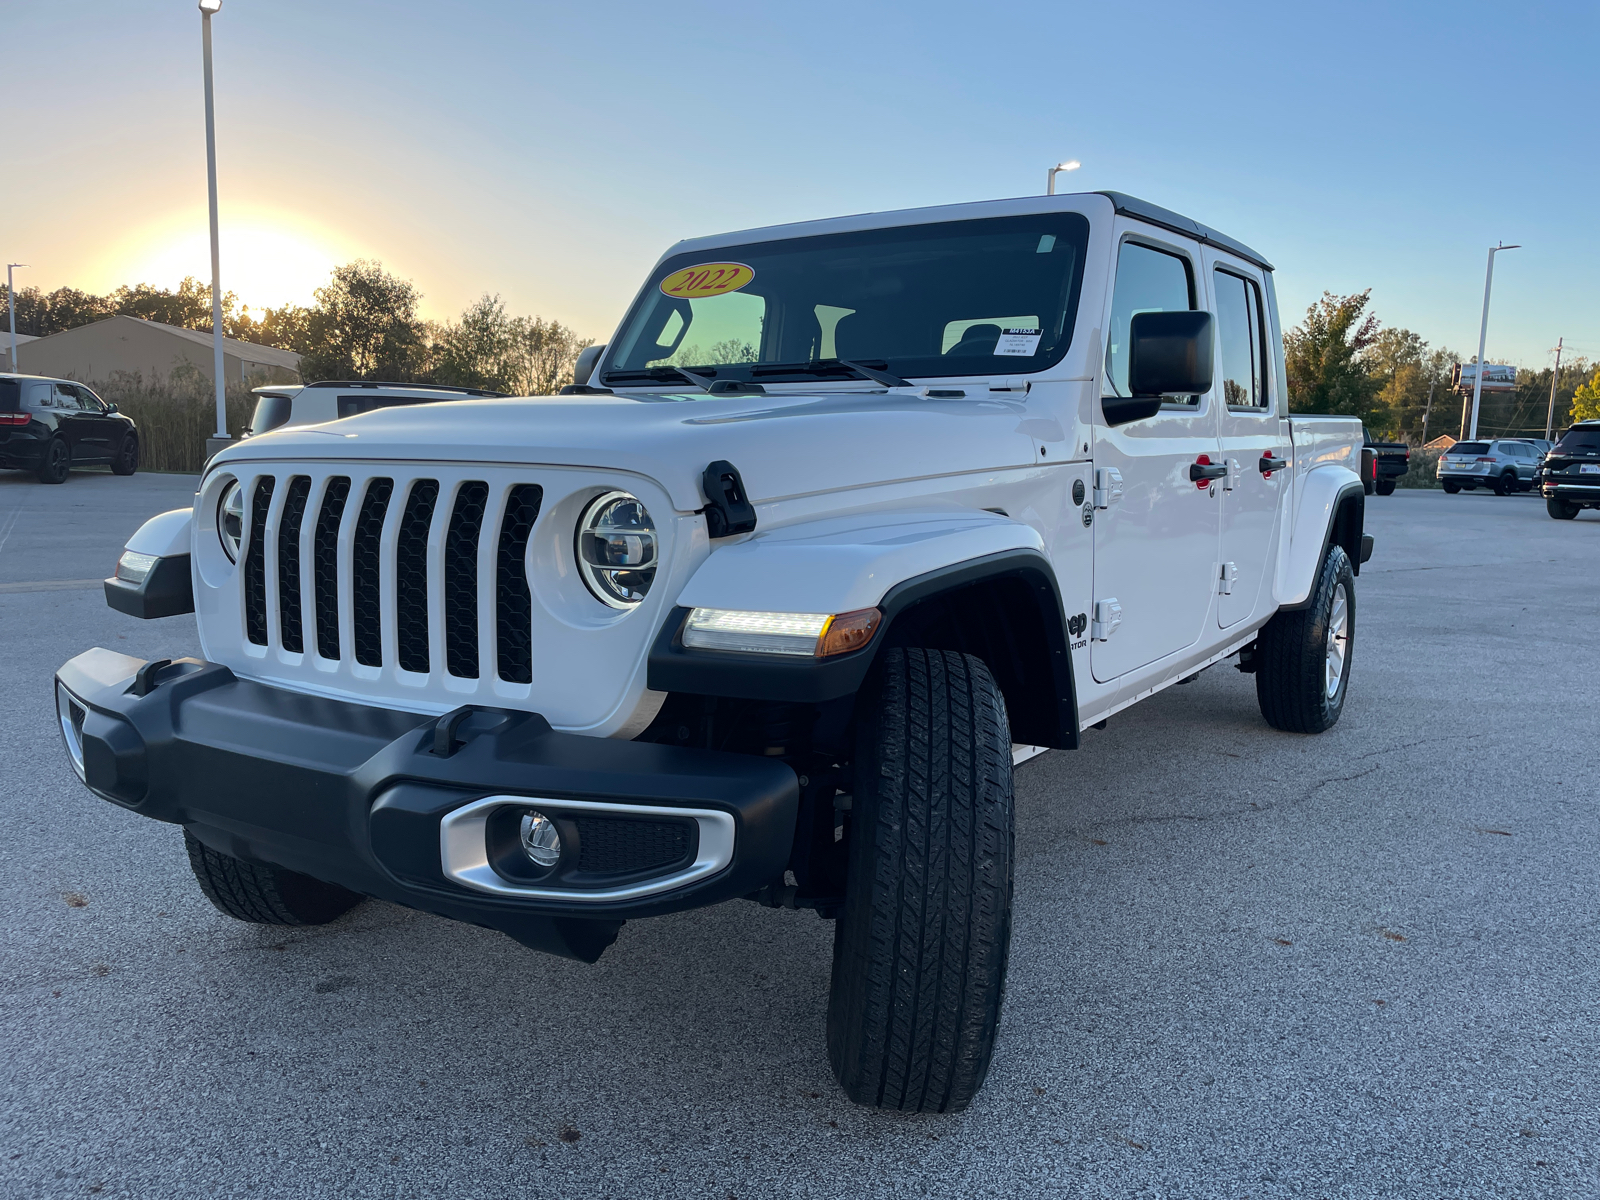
(549, 152)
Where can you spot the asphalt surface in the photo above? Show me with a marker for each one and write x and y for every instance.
(1246, 963)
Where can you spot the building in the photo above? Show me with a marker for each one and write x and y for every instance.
(95, 353)
(1441, 443)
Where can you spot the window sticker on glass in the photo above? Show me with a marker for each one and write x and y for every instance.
(707, 279)
(1018, 341)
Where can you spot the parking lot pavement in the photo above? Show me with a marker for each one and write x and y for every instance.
(1246, 963)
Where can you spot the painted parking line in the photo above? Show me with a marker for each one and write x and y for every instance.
(51, 585)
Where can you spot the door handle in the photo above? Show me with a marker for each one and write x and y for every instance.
(1269, 464)
(1203, 470)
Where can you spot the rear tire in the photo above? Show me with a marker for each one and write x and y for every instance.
(919, 953)
(1560, 509)
(1297, 653)
(1385, 487)
(1450, 489)
(262, 894)
(56, 463)
(1505, 485)
(126, 459)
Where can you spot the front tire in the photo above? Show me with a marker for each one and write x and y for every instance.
(1303, 657)
(1559, 508)
(1385, 487)
(126, 459)
(56, 463)
(262, 894)
(919, 953)
(1450, 489)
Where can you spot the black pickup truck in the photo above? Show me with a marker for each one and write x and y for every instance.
(1393, 460)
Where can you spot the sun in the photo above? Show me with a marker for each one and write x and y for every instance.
(267, 261)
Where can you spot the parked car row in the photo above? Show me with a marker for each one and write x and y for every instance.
(1504, 465)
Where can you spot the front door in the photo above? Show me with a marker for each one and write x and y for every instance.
(1155, 538)
(1255, 437)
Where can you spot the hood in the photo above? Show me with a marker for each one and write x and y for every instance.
(784, 444)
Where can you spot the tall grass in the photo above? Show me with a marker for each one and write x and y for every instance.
(175, 414)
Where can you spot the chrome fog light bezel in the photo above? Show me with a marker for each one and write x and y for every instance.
(604, 581)
(70, 713)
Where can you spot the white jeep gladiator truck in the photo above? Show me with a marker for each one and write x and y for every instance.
(846, 515)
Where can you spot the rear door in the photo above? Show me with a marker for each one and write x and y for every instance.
(74, 424)
(1254, 433)
(1155, 543)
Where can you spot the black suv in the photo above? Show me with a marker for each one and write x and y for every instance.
(1569, 477)
(49, 426)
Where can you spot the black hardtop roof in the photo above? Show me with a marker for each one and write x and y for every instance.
(1132, 206)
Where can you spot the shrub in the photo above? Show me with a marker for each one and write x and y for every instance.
(1422, 471)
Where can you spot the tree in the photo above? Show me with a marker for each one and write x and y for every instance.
(364, 326)
(488, 348)
(1586, 400)
(188, 307)
(1324, 358)
(1406, 370)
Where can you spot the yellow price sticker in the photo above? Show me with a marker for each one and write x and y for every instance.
(707, 279)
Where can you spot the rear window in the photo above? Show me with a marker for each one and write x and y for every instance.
(9, 393)
(271, 411)
(1580, 441)
(1469, 448)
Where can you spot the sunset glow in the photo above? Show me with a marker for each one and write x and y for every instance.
(266, 261)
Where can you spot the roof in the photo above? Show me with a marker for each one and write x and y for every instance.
(1132, 206)
(249, 351)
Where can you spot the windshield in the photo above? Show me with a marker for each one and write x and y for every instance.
(987, 297)
(1469, 448)
(1580, 441)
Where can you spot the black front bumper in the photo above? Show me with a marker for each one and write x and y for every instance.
(356, 795)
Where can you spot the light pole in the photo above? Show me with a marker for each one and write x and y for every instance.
(1050, 176)
(1483, 334)
(11, 307)
(1550, 414)
(207, 8)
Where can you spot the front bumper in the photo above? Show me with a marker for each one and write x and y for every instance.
(406, 808)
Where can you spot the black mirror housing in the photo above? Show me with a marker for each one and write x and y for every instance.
(588, 359)
(1169, 354)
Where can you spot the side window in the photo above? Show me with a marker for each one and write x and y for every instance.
(88, 401)
(1148, 280)
(1243, 367)
(67, 397)
(39, 395)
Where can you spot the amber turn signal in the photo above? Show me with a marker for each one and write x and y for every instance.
(849, 631)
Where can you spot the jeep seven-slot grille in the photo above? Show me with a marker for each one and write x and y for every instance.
(360, 551)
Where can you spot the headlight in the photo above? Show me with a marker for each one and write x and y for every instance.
(134, 567)
(617, 549)
(230, 519)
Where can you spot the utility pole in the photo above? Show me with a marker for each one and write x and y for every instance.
(1426, 409)
(11, 307)
(220, 441)
(1550, 417)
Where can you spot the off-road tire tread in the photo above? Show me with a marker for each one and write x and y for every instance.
(262, 894)
(1291, 651)
(920, 951)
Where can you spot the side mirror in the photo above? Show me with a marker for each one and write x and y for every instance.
(588, 359)
(1169, 354)
(110, 408)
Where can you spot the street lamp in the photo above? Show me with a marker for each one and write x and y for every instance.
(207, 9)
(1483, 336)
(11, 307)
(1050, 179)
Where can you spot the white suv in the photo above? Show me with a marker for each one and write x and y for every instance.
(847, 518)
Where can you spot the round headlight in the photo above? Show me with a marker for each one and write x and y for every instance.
(230, 519)
(617, 549)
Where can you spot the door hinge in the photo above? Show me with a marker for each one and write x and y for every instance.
(1107, 616)
(1231, 479)
(1230, 572)
(1107, 487)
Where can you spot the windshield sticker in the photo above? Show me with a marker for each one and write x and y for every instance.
(1021, 342)
(707, 279)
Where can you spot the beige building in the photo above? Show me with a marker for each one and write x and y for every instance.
(94, 353)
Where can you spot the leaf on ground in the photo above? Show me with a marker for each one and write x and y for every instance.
(76, 900)
(1098, 842)
(1498, 832)
(568, 1134)
(1283, 941)
(1392, 935)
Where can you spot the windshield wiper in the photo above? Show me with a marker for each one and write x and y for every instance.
(662, 375)
(825, 366)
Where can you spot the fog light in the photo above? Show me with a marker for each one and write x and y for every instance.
(540, 840)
